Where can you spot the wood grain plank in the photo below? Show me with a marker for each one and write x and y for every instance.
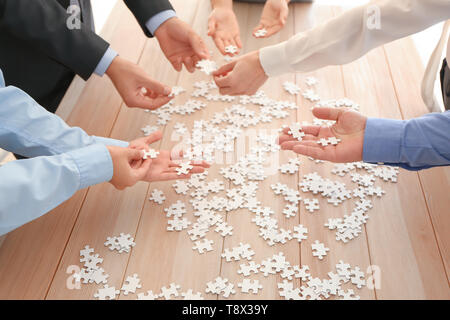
(435, 182)
(406, 253)
(115, 211)
(244, 229)
(164, 257)
(29, 255)
(356, 252)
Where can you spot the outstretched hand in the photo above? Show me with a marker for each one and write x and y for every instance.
(349, 127)
(164, 166)
(180, 44)
(273, 17)
(224, 29)
(135, 87)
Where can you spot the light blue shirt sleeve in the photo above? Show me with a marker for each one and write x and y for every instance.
(414, 144)
(29, 130)
(66, 159)
(30, 188)
(105, 62)
(158, 19)
(152, 25)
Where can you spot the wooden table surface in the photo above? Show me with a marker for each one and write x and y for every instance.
(407, 235)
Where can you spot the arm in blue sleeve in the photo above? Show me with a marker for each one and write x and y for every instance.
(29, 130)
(414, 144)
(31, 188)
(105, 62)
(158, 19)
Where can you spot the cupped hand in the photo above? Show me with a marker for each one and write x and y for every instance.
(164, 166)
(224, 29)
(273, 17)
(135, 87)
(349, 127)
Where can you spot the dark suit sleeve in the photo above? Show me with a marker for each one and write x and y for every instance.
(42, 25)
(143, 10)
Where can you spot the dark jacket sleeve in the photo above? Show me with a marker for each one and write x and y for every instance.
(42, 25)
(143, 10)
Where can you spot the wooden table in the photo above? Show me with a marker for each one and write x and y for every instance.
(407, 235)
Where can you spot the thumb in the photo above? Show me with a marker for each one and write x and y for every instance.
(141, 172)
(327, 113)
(134, 154)
(198, 46)
(211, 26)
(156, 87)
(225, 69)
(155, 136)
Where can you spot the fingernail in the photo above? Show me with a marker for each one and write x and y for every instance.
(167, 91)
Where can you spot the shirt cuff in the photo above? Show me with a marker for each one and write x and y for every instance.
(111, 142)
(94, 164)
(105, 62)
(273, 59)
(158, 19)
(383, 140)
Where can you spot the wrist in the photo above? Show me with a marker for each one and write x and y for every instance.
(164, 26)
(258, 63)
(222, 4)
(113, 67)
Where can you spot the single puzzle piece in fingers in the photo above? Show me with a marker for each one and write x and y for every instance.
(261, 33)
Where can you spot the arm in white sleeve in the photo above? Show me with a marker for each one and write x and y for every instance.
(31, 188)
(347, 37)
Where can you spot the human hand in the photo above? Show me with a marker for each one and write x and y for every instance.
(349, 127)
(273, 17)
(163, 167)
(125, 171)
(180, 44)
(135, 87)
(244, 75)
(224, 29)
(144, 142)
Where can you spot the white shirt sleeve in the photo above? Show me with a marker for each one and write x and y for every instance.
(349, 36)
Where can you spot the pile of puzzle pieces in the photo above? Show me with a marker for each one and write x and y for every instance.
(210, 200)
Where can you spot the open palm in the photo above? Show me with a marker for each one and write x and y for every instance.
(273, 17)
(162, 167)
(349, 127)
(224, 29)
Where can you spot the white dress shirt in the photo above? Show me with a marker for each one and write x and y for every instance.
(349, 36)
